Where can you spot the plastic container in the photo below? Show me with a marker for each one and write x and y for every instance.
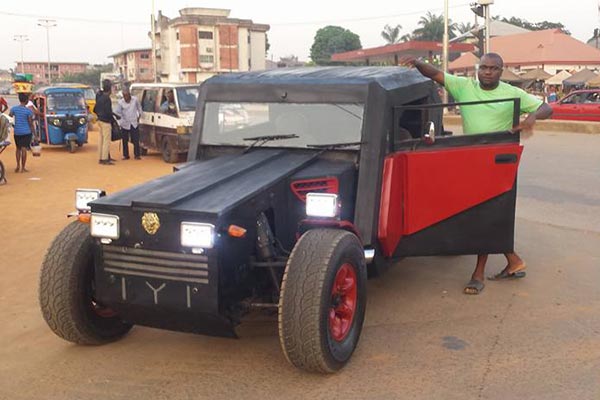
(36, 150)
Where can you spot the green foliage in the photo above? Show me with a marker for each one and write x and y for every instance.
(330, 40)
(90, 77)
(536, 26)
(464, 28)
(432, 28)
(391, 34)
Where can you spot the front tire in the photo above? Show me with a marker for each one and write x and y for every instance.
(323, 300)
(72, 146)
(168, 153)
(66, 291)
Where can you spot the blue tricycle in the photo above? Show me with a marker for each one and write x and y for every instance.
(64, 118)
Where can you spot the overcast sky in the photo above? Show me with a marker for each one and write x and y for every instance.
(85, 32)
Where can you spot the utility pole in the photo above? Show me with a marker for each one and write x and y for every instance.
(446, 44)
(48, 23)
(153, 29)
(21, 39)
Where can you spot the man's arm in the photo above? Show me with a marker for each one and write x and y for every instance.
(425, 69)
(543, 112)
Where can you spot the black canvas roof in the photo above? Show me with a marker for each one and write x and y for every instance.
(389, 78)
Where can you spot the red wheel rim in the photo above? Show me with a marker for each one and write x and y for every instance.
(343, 302)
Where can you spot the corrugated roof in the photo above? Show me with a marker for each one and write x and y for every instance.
(410, 47)
(549, 46)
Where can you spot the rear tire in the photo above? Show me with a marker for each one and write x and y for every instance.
(168, 153)
(66, 291)
(312, 302)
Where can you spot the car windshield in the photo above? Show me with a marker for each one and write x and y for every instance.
(187, 97)
(66, 101)
(314, 123)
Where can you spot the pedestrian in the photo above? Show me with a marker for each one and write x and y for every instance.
(130, 111)
(3, 105)
(552, 95)
(491, 117)
(103, 110)
(23, 131)
(36, 115)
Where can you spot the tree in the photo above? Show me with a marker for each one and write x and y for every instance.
(90, 77)
(432, 28)
(536, 26)
(464, 28)
(330, 40)
(391, 35)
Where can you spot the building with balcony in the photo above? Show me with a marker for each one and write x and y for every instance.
(39, 70)
(202, 42)
(134, 65)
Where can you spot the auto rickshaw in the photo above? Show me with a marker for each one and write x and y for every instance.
(64, 118)
(88, 94)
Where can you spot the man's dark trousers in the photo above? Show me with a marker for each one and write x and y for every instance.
(134, 134)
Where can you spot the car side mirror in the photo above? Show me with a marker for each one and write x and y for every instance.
(429, 137)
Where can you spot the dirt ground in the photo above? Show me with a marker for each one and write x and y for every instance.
(538, 338)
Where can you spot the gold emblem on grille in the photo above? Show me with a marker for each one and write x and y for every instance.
(150, 222)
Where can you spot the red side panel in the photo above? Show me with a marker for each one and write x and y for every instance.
(423, 188)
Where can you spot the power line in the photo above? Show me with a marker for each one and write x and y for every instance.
(73, 19)
(107, 21)
(366, 18)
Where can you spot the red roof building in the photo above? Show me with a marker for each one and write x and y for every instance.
(550, 50)
(391, 53)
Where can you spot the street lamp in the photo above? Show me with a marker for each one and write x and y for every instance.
(48, 23)
(21, 39)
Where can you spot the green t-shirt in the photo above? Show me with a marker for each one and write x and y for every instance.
(493, 117)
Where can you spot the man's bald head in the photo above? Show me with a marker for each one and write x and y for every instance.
(494, 57)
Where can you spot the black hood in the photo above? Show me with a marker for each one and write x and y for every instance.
(214, 186)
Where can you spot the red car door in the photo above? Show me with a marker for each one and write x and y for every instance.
(589, 107)
(456, 196)
(568, 108)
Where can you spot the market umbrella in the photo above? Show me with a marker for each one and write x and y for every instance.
(511, 77)
(536, 75)
(580, 78)
(558, 78)
(594, 82)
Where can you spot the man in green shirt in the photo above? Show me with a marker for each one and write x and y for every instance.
(486, 118)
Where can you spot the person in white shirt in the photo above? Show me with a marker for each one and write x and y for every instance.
(130, 111)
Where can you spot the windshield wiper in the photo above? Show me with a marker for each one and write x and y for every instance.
(260, 140)
(333, 146)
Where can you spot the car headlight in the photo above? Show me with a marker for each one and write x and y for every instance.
(321, 205)
(82, 121)
(56, 122)
(197, 235)
(84, 196)
(105, 226)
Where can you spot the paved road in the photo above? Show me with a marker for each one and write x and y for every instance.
(537, 338)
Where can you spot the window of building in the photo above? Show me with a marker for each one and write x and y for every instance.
(209, 50)
(205, 35)
(144, 56)
(207, 58)
(177, 35)
(143, 70)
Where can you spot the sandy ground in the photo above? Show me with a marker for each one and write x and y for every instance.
(537, 338)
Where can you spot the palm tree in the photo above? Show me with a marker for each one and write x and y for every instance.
(432, 28)
(464, 28)
(391, 35)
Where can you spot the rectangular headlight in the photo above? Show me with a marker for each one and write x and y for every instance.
(84, 196)
(321, 205)
(197, 235)
(105, 226)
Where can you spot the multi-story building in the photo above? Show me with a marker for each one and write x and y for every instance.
(202, 42)
(39, 70)
(134, 65)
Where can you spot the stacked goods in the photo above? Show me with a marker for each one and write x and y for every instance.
(23, 83)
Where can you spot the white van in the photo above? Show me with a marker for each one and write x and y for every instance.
(168, 111)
